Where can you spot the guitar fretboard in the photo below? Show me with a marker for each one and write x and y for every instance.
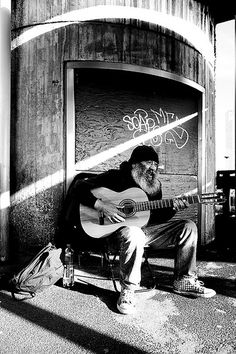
(164, 203)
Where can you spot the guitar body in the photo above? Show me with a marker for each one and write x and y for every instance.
(90, 220)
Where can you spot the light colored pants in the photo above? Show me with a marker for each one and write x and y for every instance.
(131, 241)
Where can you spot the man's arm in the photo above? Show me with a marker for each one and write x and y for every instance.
(83, 191)
(106, 208)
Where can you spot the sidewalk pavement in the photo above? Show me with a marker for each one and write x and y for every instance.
(85, 319)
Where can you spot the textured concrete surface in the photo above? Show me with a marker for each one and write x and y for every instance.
(85, 319)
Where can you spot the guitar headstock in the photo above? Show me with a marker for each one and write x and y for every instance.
(217, 197)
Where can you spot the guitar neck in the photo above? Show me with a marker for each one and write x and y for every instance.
(165, 203)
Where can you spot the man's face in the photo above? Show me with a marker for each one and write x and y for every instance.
(149, 169)
(146, 174)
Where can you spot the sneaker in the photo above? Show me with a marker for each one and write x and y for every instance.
(126, 302)
(193, 287)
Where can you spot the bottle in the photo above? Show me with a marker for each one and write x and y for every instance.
(68, 274)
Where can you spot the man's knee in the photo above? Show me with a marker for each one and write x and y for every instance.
(190, 228)
(134, 234)
(190, 225)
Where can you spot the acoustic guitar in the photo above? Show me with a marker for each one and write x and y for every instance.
(134, 203)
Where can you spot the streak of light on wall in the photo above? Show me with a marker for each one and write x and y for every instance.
(188, 30)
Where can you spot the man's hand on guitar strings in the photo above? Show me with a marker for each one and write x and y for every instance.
(109, 210)
(180, 204)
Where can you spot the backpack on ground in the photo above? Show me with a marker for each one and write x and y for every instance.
(44, 270)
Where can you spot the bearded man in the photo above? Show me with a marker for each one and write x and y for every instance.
(141, 171)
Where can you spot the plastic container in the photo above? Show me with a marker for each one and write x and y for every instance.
(68, 274)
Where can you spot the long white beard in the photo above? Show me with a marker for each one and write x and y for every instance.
(146, 179)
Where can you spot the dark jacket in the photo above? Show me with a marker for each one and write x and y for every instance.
(117, 180)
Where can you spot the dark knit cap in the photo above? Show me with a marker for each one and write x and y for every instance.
(143, 153)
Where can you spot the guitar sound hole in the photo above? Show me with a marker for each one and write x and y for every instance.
(127, 207)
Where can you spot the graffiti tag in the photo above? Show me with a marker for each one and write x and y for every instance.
(141, 122)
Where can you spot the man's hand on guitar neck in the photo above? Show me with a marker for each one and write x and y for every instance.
(180, 204)
(109, 210)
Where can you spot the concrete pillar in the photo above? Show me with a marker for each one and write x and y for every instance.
(5, 60)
